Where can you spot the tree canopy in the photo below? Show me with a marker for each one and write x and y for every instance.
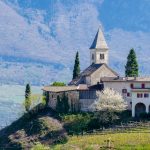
(109, 100)
(76, 70)
(58, 84)
(27, 97)
(62, 105)
(131, 68)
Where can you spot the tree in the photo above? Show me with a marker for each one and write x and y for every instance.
(76, 70)
(65, 103)
(59, 105)
(131, 68)
(58, 84)
(62, 105)
(27, 97)
(109, 100)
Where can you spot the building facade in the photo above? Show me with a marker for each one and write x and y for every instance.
(82, 91)
(135, 91)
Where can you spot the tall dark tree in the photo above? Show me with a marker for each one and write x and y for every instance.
(65, 103)
(27, 97)
(62, 105)
(59, 108)
(131, 68)
(76, 70)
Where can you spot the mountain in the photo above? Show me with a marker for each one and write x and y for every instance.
(39, 39)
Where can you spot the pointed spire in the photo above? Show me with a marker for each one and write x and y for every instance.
(99, 41)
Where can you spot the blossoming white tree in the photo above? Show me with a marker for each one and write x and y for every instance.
(109, 100)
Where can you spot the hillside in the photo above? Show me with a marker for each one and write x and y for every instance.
(41, 127)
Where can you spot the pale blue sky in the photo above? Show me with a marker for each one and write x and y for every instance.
(44, 35)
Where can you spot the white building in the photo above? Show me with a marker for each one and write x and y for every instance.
(135, 90)
(98, 76)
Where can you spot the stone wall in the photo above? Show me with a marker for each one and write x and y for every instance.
(73, 97)
(101, 72)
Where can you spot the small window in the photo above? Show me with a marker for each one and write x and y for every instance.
(102, 56)
(124, 90)
(139, 95)
(92, 56)
(146, 95)
(128, 95)
(143, 86)
(132, 86)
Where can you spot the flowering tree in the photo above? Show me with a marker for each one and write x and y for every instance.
(109, 100)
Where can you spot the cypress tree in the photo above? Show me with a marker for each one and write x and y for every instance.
(27, 97)
(65, 103)
(59, 105)
(62, 105)
(131, 68)
(76, 70)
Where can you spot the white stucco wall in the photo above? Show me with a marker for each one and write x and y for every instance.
(133, 100)
(96, 53)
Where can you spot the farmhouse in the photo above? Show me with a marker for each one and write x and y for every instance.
(82, 91)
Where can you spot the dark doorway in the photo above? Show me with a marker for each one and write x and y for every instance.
(139, 108)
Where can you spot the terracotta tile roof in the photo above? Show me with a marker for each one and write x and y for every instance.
(58, 89)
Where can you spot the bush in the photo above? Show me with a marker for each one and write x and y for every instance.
(39, 146)
(62, 105)
(76, 124)
(145, 116)
(106, 118)
(58, 84)
(44, 125)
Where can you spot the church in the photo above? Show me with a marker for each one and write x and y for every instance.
(82, 91)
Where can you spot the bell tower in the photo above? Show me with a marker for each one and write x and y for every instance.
(99, 49)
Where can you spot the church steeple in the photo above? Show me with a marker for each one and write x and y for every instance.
(99, 49)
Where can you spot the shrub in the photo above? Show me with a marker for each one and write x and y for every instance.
(39, 146)
(62, 105)
(44, 125)
(145, 116)
(58, 84)
(75, 124)
(106, 118)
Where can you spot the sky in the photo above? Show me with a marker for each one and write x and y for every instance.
(39, 39)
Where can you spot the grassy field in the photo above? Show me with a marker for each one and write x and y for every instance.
(137, 139)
